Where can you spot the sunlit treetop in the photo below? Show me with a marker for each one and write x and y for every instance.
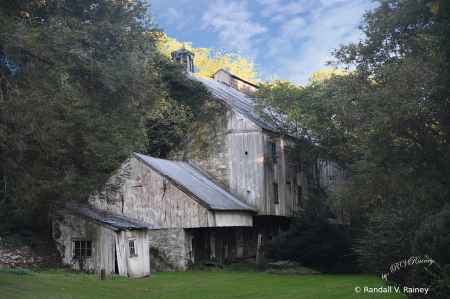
(210, 60)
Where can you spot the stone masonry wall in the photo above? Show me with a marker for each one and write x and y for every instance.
(28, 252)
(171, 246)
(205, 144)
(23, 257)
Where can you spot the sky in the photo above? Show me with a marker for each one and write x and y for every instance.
(288, 39)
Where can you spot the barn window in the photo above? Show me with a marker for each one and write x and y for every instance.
(275, 193)
(299, 195)
(132, 246)
(82, 248)
(274, 152)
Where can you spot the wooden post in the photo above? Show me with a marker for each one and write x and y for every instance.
(103, 274)
(258, 257)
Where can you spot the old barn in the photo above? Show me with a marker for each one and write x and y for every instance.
(91, 239)
(226, 189)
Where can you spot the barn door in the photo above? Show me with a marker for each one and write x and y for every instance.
(240, 242)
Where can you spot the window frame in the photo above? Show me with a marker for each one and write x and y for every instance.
(134, 247)
(84, 251)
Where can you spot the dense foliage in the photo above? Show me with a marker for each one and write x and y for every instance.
(383, 115)
(177, 108)
(433, 241)
(312, 241)
(76, 86)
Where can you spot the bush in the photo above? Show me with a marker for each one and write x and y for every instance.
(312, 241)
(432, 241)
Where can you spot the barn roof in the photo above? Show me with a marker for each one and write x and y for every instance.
(196, 183)
(236, 100)
(102, 217)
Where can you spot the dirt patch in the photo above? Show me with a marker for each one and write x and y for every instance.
(289, 268)
(292, 271)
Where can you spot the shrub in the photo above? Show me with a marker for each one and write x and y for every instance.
(432, 241)
(312, 241)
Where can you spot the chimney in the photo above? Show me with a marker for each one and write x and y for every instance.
(185, 57)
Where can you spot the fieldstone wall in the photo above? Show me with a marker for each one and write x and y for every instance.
(170, 245)
(205, 144)
(28, 251)
(23, 257)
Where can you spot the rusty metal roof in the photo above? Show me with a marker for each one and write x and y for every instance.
(236, 100)
(196, 183)
(115, 220)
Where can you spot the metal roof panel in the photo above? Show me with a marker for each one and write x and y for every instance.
(196, 183)
(235, 99)
(110, 218)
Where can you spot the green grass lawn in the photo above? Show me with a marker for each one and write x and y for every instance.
(192, 285)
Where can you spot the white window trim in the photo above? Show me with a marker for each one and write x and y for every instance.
(134, 245)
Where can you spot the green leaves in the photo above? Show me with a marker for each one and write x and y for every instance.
(79, 104)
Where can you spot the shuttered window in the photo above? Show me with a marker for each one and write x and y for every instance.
(275, 194)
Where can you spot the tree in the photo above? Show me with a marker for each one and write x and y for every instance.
(76, 86)
(178, 106)
(312, 241)
(387, 121)
(209, 60)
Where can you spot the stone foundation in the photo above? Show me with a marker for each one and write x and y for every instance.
(171, 246)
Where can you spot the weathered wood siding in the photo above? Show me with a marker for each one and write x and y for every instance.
(284, 176)
(246, 160)
(73, 228)
(222, 76)
(136, 265)
(148, 196)
(105, 244)
(252, 172)
(233, 218)
(331, 176)
(236, 151)
(236, 83)
(241, 86)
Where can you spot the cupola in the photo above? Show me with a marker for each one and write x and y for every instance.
(185, 57)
